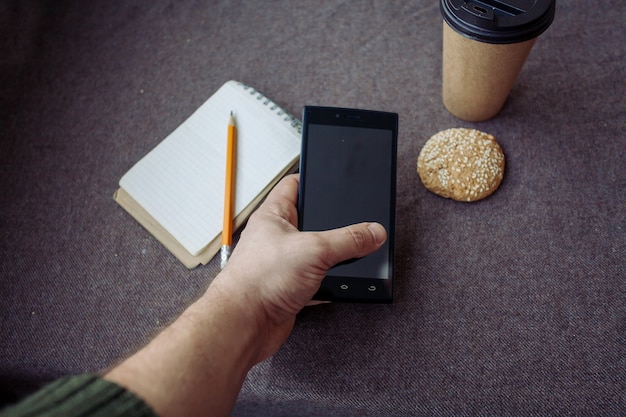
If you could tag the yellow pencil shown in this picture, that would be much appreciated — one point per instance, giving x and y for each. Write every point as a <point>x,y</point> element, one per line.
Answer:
<point>229,191</point>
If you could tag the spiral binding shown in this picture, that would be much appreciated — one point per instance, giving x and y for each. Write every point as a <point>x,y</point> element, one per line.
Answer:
<point>287,117</point>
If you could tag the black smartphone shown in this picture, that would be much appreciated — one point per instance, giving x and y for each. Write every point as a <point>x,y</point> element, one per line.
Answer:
<point>347,176</point>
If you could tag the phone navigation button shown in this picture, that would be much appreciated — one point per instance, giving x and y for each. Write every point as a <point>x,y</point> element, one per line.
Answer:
<point>343,286</point>
<point>371,288</point>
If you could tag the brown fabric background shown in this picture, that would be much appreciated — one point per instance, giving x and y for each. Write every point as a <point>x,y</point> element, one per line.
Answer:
<point>515,305</point>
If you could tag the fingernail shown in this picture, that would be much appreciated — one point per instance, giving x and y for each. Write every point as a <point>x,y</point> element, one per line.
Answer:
<point>379,233</point>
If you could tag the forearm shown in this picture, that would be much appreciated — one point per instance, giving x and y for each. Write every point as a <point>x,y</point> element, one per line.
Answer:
<point>198,364</point>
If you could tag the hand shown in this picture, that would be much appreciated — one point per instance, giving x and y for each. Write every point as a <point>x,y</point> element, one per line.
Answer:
<point>275,269</point>
<point>197,365</point>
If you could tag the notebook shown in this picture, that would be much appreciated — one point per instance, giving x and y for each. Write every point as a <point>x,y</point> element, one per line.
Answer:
<point>176,191</point>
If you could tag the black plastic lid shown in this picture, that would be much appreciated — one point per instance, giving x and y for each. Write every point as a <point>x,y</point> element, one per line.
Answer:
<point>498,21</point>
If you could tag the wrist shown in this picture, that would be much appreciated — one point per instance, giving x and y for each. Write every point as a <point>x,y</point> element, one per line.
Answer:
<point>249,314</point>
<point>227,316</point>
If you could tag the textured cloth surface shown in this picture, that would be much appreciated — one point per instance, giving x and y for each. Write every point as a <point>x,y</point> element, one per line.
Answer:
<point>512,305</point>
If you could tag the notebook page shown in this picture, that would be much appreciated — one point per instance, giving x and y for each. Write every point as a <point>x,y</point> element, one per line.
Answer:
<point>181,181</point>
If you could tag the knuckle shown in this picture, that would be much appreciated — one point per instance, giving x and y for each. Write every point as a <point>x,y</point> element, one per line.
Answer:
<point>323,247</point>
<point>358,236</point>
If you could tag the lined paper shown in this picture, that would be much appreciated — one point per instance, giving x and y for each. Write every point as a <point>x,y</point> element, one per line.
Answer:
<point>181,181</point>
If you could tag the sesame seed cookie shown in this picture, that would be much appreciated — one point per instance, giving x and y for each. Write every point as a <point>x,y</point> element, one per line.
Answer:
<point>462,164</point>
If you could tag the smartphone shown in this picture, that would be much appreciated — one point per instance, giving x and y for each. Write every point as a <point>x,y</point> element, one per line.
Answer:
<point>347,176</point>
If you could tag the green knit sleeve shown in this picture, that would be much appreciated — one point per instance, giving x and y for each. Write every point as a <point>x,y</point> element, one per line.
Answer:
<point>81,395</point>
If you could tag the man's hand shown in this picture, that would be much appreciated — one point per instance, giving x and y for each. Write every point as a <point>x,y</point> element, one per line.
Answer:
<point>197,365</point>
<point>280,268</point>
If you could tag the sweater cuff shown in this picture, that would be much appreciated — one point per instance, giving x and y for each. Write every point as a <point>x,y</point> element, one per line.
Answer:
<point>81,395</point>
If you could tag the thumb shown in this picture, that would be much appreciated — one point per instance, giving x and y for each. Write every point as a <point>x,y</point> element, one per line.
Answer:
<point>354,241</point>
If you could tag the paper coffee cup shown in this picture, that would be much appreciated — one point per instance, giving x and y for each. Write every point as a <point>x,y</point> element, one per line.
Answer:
<point>485,45</point>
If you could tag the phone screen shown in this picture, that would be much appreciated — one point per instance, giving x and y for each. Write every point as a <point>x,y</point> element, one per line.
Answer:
<point>348,176</point>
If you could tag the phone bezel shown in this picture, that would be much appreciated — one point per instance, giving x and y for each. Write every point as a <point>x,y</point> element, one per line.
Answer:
<point>353,289</point>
